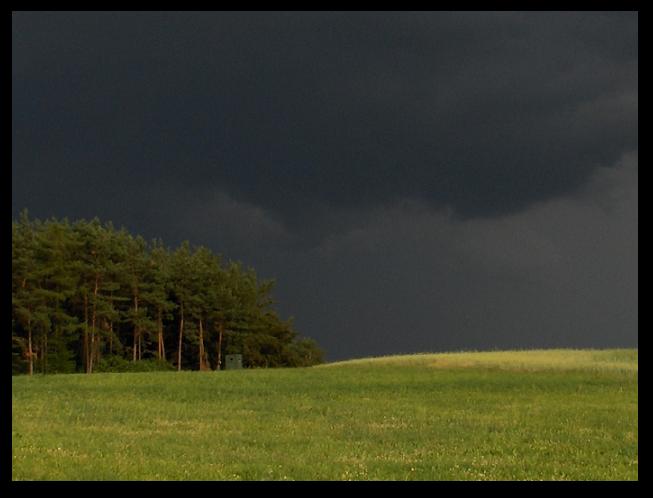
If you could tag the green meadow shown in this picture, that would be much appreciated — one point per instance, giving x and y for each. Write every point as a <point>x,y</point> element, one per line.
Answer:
<point>510,415</point>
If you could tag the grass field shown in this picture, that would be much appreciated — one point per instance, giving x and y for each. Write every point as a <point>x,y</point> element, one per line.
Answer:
<point>550,414</point>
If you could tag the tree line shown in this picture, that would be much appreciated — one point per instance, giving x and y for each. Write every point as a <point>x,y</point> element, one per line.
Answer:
<point>89,297</point>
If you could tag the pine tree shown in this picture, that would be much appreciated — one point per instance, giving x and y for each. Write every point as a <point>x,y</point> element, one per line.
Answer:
<point>57,283</point>
<point>181,275</point>
<point>157,295</point>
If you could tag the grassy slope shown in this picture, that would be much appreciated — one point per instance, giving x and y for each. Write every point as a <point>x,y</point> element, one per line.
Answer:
<point>556,414</point>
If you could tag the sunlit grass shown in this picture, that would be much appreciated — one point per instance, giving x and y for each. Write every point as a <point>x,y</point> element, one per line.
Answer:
<point>559,414</point>
<point>527,360</point>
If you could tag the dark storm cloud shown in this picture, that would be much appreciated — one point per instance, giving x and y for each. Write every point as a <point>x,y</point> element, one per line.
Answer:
<point>302,113</point>
<point>562,273</point>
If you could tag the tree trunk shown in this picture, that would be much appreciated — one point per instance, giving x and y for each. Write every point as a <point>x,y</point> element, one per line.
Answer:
<point>161,350</point>
<point>98,344</point>
<point>29,345</point>
<point>92,354</point>
<point>136,338</point>
<point>93,317</point>
<point>45,354</point>
<point>202,362</point>
<point>29,333</point>
<point>111,327</point>
<point>42,350</point>
<point>163,342</point>
<point>181,333</point>
<point>85,332</point>
<point>220,330</point>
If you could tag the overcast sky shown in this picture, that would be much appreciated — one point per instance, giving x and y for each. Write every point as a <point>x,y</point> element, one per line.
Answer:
<point>414,181</point>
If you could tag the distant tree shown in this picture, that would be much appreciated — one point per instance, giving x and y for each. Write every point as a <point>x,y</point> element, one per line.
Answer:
<point>182,289</point>
<point>23,297</point>
<point>98,257</point>
<point>206,296</point>
<point>158,293</point>
<point>57,283</point>
<point>137,273</point>
<point>303,352</point>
